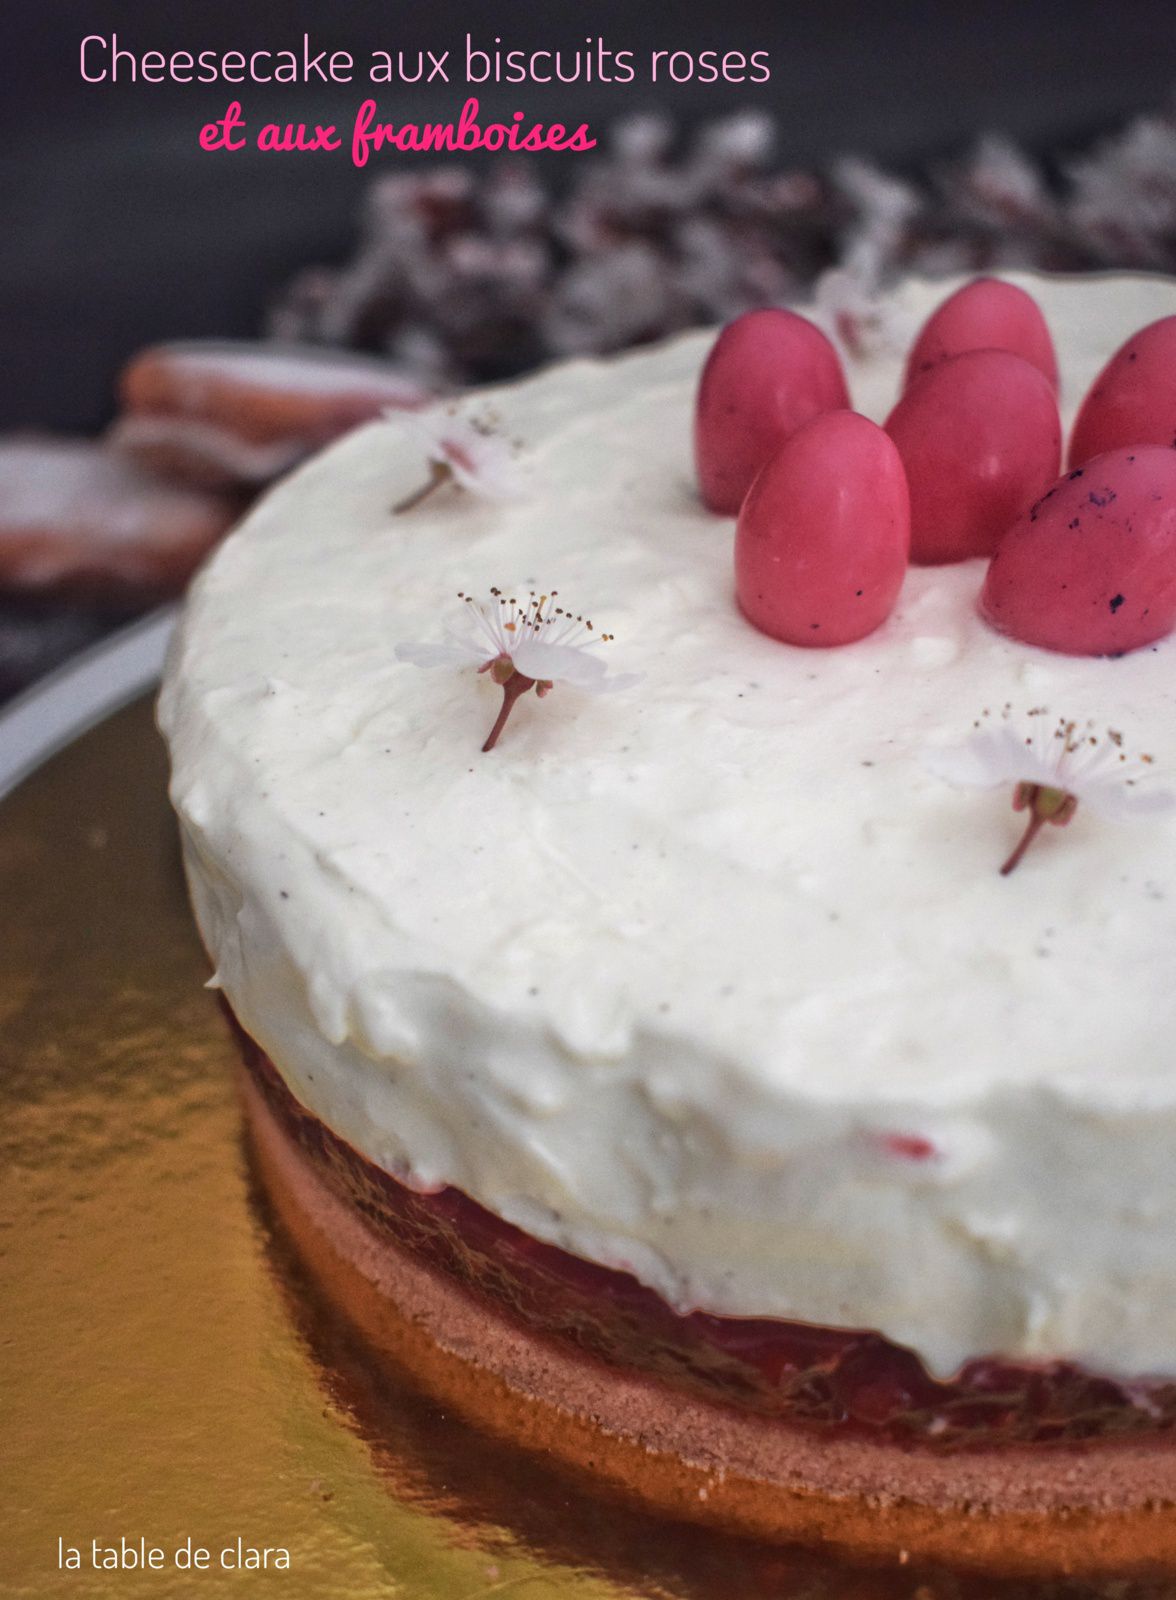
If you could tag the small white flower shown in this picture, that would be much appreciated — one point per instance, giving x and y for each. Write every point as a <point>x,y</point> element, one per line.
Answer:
<point>856,317</point>
<point>460,450</point>
<point>1061,755</point>
<point>534,644</point>
<point>1053,767</point>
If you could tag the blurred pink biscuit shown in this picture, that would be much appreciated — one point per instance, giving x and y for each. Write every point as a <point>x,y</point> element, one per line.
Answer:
<point>77,519</point>
<point>243,413</point>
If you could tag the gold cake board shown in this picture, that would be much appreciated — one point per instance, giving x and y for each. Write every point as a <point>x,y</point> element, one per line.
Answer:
<point>166,1375</point>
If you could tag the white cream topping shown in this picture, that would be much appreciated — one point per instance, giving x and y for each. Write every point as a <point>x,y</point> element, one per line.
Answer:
<point>651,978</point>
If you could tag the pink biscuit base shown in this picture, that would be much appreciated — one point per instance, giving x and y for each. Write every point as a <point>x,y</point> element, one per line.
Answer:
<point>1106,1507</point>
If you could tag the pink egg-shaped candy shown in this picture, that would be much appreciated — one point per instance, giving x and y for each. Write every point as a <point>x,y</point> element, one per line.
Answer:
<point>986,314</point>
<point>980,438</point>
<point>822,539</point>
<point>768,373</point>
<point>1091,568</point>
<point>1133,399</point>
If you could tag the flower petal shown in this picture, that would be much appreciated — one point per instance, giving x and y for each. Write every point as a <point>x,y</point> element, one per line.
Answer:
<point>425,427</point>
<point>559,663</point>
<point>613,683</point>
<point>451,654</point>
<point>981,763</point>
<point>1120,802</point>
<point>489,472</point>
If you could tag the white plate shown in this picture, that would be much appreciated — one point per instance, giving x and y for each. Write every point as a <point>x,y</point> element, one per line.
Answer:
<point>75,697</point>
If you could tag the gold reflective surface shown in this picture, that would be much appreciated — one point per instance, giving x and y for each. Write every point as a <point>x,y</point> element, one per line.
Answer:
<point>164,1373</point>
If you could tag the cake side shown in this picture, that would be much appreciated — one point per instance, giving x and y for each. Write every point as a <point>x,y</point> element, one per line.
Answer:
<point>1064,1508</point>
<point>712,980</point>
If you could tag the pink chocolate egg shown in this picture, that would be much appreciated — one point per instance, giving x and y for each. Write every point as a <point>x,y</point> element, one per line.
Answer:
<point>768,373</point>
<point>1133,399</point>
<point>1090,569</point>
<point>981,439</point>
<point>822,540</point>
<point>986,314</point>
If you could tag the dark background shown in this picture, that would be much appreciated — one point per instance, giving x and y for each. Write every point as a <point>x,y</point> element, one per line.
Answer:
<point>117,230</point>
